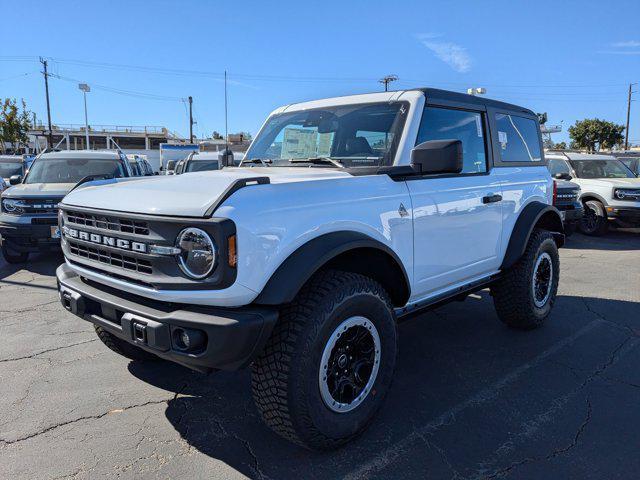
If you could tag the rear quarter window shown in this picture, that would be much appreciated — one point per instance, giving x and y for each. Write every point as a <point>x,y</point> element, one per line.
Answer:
<point>518,139</point>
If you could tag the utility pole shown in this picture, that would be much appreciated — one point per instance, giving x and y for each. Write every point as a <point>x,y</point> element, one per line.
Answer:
<point>387,80</point>
<point>626,132</point>
<point>46,88</point>
<point>190,119</point>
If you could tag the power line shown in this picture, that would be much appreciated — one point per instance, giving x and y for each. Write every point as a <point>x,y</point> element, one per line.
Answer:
<point>290,78</point>
<point>119,91</point>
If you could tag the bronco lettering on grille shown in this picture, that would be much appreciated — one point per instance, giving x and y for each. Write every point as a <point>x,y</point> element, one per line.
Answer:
<point>105,240</point>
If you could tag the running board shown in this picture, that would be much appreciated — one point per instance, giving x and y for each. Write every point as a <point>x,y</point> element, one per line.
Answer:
<point>446,297</point>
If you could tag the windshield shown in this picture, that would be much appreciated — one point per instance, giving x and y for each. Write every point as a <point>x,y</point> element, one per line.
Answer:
<point>71,170</point>
<point>202,165</point>
<point>8,169</point>
<point>601,169</point>
<point>361,135</point>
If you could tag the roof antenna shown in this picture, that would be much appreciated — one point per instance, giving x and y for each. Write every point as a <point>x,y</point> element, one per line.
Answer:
<point>226,126</point>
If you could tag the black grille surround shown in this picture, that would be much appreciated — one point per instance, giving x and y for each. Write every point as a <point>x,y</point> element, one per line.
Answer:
<point>139,267</point>
<point>567,196</point>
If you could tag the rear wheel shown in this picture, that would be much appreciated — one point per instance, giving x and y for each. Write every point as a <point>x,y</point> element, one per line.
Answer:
<point>594,221</point>
<point>328,365</point>
<point>525,294</point>
<point>11,256</point>
<point>124,348</point>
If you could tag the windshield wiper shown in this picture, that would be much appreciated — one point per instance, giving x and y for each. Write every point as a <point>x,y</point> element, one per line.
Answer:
<point>254,161</point>
<point>318,161</point>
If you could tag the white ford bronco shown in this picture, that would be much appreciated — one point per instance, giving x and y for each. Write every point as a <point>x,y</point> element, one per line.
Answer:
<point>346,214</point>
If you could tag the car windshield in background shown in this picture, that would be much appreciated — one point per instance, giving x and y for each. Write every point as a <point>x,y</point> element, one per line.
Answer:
<point>71,170</point>
<point>7,169</point>
<point>601,169</point>
<point>361,135</point>
<point>202,165</point>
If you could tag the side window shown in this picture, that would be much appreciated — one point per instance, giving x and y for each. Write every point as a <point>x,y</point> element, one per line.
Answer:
<point>518,139</point>
<point>468,127</point>
<point>558,166</point>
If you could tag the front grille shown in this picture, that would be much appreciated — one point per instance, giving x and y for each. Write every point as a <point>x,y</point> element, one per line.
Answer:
<point>104,222</point>
<point>111,258</point>
<point>34,206</point>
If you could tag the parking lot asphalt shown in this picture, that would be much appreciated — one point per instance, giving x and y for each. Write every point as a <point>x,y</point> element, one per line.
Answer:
<point>471,398</point>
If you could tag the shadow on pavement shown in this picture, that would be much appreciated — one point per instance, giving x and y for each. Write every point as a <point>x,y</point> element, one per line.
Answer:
<point>44,263</point>
<point>615,239</point>
<point>446,358</point>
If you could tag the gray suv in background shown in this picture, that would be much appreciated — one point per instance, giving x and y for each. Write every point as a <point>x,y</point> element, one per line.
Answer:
<point>12,166</point>
<point>29,209</point>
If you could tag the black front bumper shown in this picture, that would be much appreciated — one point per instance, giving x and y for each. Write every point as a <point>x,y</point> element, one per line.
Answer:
<point>626,214</point>
<point>233,336</point>
<point>29,238</point>
<point>571,213</point>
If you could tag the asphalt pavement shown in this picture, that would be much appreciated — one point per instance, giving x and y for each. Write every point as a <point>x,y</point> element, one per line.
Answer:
<point>471,399</point>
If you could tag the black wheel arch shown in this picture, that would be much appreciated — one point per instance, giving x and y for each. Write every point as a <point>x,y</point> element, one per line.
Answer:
<point>344,250</point>
<point>585,197</point>
<point>535,214</point>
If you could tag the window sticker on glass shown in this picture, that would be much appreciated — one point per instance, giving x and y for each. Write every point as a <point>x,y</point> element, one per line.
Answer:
<point>502,138</point>
<point>478,126</point>
<point>299,143</point>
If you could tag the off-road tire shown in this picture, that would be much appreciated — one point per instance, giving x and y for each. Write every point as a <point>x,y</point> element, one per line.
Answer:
<point>284,378</point>
<point>513,295</point>
<point>124,348</point>
<point>594,221</point>
<point>13,257</point>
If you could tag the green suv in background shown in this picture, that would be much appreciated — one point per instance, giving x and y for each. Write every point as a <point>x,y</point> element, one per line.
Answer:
<point>29,208</point>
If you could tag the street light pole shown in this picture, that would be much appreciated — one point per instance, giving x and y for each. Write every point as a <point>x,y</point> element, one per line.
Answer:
<point>85,88</point>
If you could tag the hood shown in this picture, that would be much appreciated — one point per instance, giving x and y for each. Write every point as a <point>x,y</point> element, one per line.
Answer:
<point>186,195</point>
<point>38,190</point>
<point>613,182</point>
<point>566,185</point>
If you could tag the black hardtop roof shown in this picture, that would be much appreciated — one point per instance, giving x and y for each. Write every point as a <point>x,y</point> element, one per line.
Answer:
<point>438,94</point>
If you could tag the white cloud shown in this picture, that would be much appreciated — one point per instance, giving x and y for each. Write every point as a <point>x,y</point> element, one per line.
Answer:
<point>450,53</point>
<point>627,44</point>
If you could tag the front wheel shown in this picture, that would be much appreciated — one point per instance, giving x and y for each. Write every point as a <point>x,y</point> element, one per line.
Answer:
<point>525,294</point>
<point>594,221</point>
<point>329,363</point>
<point>12,256</point>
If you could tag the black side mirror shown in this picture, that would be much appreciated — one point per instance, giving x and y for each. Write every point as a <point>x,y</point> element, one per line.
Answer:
<point>563,176</point>
<point>437,156</point>
<point>15,179</point>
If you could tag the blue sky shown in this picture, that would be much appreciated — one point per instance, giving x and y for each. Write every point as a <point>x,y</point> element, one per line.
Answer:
<point>573,59</point>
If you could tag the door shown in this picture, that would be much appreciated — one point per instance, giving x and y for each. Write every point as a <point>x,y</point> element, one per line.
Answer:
<point>457,218</point>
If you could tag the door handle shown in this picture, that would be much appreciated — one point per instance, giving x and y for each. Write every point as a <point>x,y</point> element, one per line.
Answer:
<point>493,198</point>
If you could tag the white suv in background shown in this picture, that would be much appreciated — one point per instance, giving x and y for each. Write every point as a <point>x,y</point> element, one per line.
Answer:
<point>610,191</point>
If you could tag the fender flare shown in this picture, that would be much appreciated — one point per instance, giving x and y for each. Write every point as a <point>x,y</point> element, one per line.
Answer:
<point>598,197</point>
<point>527,220</point>
<point>298,268</point>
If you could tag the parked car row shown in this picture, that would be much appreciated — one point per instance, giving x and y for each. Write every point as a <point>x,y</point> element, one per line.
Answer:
<point>609,190</point>
<point>29,209</point>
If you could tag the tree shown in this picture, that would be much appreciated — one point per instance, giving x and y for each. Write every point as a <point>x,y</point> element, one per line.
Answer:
<point>560,146</point>
<point>14,124</point>
<point>594,134</point>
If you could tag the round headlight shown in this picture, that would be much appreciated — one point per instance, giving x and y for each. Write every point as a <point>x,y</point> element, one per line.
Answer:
<point>11,206</point>
<point>620,194</point>
<point>197,255</point>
